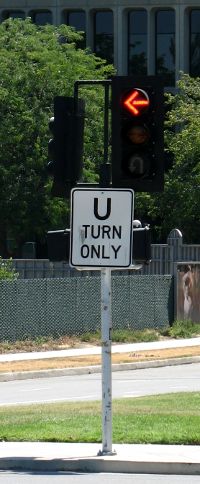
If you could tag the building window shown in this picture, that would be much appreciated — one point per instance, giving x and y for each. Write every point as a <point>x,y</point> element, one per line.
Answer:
<point>103,35</point>
<point>195,43</point>
<point>76,19</point>
<point>137,42</point>
<point>12,14</point>
<point>41,17</point>
<point>165,45</point>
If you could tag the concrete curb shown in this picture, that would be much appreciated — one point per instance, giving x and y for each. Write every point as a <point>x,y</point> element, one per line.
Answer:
<point>97,369</point>
<point>99,464</point>
<point>136,458</point>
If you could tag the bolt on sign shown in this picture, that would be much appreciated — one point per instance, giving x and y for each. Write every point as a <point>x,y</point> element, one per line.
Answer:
<point>101,228</point>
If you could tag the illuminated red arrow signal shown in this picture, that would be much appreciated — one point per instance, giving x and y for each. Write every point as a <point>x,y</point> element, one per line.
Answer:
<point>136,102</point>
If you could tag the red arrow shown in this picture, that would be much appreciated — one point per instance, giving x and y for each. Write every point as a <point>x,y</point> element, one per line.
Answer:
<point>137,101</point>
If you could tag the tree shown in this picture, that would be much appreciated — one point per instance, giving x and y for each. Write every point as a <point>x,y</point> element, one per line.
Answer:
<point>36,64</point>
<point>178,206</point>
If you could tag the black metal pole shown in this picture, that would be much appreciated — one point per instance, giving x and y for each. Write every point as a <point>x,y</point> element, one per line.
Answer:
<point>105,168</point>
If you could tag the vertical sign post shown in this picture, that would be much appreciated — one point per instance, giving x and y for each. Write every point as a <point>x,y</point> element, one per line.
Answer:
<point>101,238</point>
<point>106,328</point>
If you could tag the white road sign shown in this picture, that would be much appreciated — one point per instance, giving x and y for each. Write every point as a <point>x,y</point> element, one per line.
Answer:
<point>101,227</point>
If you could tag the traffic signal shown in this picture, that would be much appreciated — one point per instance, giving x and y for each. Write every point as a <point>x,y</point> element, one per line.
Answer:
<point>141,245</point>
<point>137,133</point>
<point>66,146</point>
<point>58,242</point>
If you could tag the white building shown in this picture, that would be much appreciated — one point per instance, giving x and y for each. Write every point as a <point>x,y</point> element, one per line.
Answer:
<point>150,37</point>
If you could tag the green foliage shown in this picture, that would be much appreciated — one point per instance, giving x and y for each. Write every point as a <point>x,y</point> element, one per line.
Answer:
<point>7,271</point>
<point>123,336</point>
<point>184,329</point>
<point>134,336</point>
<point>37,63</point>
<point>178,206</point>
<point>90,337</point>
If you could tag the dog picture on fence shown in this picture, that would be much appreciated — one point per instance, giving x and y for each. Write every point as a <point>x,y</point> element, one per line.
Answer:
<point>188,291</point>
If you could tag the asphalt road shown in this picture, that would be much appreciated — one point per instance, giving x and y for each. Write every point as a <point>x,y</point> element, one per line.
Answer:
<point>88,387</point>
<point>101,478</point>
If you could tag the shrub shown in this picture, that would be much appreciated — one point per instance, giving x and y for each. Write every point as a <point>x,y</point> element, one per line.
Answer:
<point>184,329</point>
<point>7,271</point>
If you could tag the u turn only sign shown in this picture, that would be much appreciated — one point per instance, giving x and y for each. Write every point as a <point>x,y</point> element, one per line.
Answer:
<point>101,228</point>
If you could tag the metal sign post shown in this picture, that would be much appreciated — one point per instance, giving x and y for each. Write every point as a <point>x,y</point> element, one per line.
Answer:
<point>106,328</point>
<point>101,238</point>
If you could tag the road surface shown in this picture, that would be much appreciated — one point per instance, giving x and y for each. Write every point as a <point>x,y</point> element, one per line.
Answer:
<point>125,384</point>
<point>7,477</point>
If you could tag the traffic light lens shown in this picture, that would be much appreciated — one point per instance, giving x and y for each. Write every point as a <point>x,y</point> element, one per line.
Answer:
<point>136,165</point>
<point>136,102</point>
<point>138,134</point>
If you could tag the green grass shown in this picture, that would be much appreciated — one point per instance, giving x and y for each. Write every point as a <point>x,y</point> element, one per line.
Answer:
<point>134,336</point>
<point>124,336</point>
<point>180,329</point>
<point>165,419</point>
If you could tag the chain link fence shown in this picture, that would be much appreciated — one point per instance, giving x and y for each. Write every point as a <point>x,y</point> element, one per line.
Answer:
<point>72,306</point>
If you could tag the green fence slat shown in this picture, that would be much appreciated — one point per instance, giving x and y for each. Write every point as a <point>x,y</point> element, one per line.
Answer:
<point>30,308</point>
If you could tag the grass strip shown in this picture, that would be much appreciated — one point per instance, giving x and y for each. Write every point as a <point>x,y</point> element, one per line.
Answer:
<point>162,419</point>
<point>179,329</point>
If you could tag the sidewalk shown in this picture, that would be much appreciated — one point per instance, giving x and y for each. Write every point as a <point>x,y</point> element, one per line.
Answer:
<point>153,459</point>
<point>96,350</point>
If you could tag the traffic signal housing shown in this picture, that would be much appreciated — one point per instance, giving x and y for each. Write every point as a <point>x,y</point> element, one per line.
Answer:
<point>65,148</point>
<point>141,245</point>
<point>58,242</point>
<point>137,133</point>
